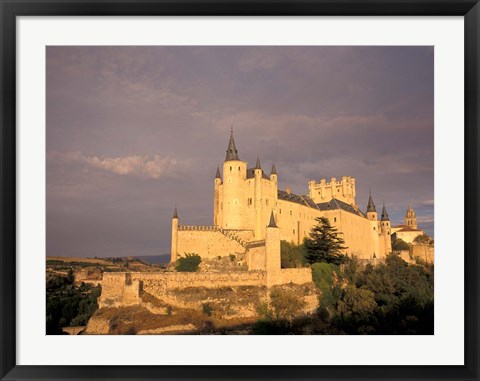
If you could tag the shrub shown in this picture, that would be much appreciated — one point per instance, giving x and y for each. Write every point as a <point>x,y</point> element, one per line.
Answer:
<point>207,309</point>
<point>189,263</point>
<point>286,304</point>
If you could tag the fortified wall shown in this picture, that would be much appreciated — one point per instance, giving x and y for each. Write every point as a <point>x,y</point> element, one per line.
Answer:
<point>124,289</point>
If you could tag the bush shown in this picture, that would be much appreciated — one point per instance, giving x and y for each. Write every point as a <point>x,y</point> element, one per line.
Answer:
<point>286,304</point>
<point>207,309</point>
<point>189,263</point>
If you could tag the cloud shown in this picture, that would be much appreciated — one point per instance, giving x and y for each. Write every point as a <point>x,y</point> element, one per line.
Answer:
<point>258,60</point>
<point>146,167</point>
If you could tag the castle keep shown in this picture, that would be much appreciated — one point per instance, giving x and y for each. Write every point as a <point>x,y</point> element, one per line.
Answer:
<point>246,199</point>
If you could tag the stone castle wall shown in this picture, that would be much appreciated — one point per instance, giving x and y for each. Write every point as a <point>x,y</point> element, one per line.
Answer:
<point>206,242</point>
<point>123,289</point>
<point>424,252</point>
<point>297,276</point>
<point>120,289</point>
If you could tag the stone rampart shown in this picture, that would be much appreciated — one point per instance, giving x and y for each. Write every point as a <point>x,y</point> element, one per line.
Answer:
<point>424,252</point>
<point>296,276</point>
<point>124,288</point>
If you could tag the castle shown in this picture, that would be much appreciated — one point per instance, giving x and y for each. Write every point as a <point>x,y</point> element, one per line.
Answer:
<point>246,200</point>
<point>250,218</point>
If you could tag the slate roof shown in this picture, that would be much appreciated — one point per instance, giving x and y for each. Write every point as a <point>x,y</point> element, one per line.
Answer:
<point>274,170</point>
<point>337,204</point>
<point>232,153</point>
<point>272,223</point>
<point>251,174</point>
<point>371,205</point>
<point>385,214</point>
<point>302,200</point>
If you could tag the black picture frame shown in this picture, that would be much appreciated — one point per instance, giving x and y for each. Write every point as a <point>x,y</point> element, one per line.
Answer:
<point>10,9</point>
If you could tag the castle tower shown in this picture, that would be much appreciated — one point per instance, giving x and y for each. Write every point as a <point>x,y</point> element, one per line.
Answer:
<point>258,173</point>
<point>273,174</point>
<point>372,216</point>
<point>386,231</point>
<point>233,200</point>
<point>216,197</point>
<point>343,190</point>
<point>272,253</point>
<point>174,250</point>
<point>411,218</point>
<point>371,211</point>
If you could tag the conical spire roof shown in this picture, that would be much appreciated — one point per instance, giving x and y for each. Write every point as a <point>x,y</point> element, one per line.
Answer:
<point>258,166</point>
<point>272,223</point>
<point>385,214</point>
<point>371,205</point>
<point>232,153</point>
<point>274,170</point>
<point>175,215</point>
<point>217,175</point>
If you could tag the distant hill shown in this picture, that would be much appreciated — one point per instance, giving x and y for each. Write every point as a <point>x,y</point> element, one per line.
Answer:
<point>154,259</point>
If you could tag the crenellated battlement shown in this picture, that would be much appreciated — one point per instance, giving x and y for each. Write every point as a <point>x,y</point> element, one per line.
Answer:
<point>324,190</point>
<point>199,227</point>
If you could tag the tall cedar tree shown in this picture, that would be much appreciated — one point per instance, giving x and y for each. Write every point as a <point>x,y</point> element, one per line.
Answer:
<point>324,245</point>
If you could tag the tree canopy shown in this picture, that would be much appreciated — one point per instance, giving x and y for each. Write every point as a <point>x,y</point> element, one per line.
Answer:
<point>325,244</point>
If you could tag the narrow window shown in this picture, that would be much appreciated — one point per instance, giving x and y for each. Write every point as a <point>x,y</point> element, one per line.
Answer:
<point>334,219</point>
<point>239,169</point>
<point>230,169</point>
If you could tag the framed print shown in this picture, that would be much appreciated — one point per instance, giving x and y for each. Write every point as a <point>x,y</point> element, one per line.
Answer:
<point>239,190</point>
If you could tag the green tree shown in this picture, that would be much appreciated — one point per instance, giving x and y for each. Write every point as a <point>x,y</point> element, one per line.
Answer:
<point>423,239</point>
<point>292,256</point>
<point>188,263</point>
<point>325,244</point>
<point>399,245</point>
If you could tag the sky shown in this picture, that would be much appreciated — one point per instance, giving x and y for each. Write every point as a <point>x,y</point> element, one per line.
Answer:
<point>133,132</point>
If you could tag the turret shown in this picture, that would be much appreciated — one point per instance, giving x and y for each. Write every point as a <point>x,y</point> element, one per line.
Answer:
<point>371,211</point>
<point>258,168</point>
<point>272,252</point>
<point>385,220</point>
<point>216,197</point>
<point>273,174</point>
<point>258,201</point>
<point>232,205</point>
<point>174,249</point>
<point>386,231</point>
